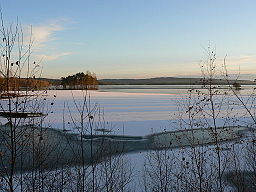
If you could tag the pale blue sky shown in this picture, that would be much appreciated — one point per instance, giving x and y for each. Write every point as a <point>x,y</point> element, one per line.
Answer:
<point>137,38</point>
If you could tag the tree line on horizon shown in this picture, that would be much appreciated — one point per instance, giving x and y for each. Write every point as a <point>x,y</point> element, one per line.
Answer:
<point>15,84</point>
<point>81,80</point>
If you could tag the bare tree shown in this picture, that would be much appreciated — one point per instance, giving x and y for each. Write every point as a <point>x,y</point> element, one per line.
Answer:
<point>200,167</point>
<point>21,106</point>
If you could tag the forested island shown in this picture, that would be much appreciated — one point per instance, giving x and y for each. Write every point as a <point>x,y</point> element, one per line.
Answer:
<point>87,81</point>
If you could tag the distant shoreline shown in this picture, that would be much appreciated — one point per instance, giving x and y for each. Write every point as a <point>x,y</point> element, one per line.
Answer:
<point>163,81</point>
<point>173,81</point>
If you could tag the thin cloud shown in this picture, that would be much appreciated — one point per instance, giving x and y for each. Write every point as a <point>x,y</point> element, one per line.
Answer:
<point>52,57</point>
<point>244,63</point>
<point>80,44</point>
<point>44,33</point>
<point>244,59</point>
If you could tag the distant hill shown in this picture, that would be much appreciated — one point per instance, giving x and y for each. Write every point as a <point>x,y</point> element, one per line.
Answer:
<point>169,81</point>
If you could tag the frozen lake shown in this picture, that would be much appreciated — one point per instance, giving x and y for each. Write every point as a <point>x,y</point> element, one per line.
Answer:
<point>136,110</point>
<point>138,113</point>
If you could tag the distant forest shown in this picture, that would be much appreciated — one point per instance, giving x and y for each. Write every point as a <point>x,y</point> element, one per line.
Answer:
<point>15,83</point>
<point>87,81</point>
<point>80,80</point>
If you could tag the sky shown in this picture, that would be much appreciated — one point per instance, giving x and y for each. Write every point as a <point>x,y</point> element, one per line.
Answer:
<point>137,38</point>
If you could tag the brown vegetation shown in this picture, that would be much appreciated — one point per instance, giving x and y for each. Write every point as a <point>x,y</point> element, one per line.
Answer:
<point>16,84</point>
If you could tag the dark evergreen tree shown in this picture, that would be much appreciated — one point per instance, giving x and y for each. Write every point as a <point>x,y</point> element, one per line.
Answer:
<point>80,80</point>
